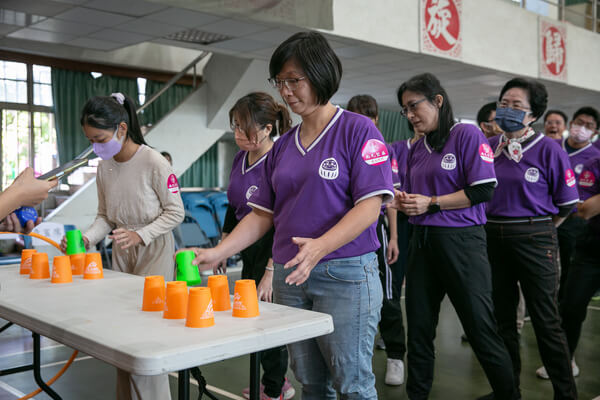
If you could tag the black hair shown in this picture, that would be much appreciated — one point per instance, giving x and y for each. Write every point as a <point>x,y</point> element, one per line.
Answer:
<point>429,86</point>
<point>483,115</point>
<point>105,112</point>
<point>166,154</point>
<point>316,58</point>
<point>536,94</point>
<point>557,112</point>
<point>591,111</point>
<point>260,109</point>
<point>364,104</point>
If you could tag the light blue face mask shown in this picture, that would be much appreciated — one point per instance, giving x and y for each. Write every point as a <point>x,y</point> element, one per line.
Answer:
<point>510,119</point>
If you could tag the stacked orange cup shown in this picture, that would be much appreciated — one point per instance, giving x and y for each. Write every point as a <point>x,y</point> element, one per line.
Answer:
<point>245,299</point>
<point>154,293</point>
<point>93,266</point>
<point>61,270</point>
<point>26,261</point>
<point>177,299</point>
<point>40,269</point>
<point>219,290</point>
<point>200,308</point>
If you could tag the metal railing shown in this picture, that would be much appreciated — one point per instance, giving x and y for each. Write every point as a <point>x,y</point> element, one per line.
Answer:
<point>583,14</point>
<point>192,65</point>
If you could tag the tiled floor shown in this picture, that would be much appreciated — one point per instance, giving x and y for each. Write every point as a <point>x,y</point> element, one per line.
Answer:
<point>457,375</point>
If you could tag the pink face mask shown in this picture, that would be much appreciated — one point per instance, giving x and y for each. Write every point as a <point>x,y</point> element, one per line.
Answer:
<point>580,134</point>
<point>108,150</point>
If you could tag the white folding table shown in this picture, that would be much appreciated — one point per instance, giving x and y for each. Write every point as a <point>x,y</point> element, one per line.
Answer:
<point>103,318</point>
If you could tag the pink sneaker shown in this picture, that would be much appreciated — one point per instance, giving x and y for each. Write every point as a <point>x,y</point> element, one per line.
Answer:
<point>287,391</point>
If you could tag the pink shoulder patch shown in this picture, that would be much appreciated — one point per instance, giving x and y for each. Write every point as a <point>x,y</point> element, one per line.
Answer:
<point>587,179</point>
<point>374,152</point>
<point>172,184</point>
<point>570,178</point>
<point>486,153</point>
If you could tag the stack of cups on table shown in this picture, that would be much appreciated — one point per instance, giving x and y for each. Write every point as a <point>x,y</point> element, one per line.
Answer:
<point>198,304</point>
<point>76,262</point>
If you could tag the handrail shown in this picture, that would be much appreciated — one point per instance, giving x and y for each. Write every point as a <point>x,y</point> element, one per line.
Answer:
<point>87,152</point>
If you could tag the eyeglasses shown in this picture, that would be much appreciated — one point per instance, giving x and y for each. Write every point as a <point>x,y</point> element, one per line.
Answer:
<point>589,125</point>
<point>515,106</point>
<point>236,127</point>
<point>411,108</point>
<point>291,83</point>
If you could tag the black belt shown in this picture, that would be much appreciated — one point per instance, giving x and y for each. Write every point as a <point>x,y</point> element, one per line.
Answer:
<point>518,220</point>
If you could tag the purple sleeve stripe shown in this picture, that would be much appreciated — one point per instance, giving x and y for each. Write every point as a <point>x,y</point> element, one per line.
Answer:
<point>479,182</point>
<point>568,202</point>
<point>386,199</point>
<point>254,205</point>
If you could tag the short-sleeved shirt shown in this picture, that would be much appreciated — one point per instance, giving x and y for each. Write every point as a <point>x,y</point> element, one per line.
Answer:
<point>309,190</point>
<point>537,185</point>
<point>402,151</point>
<point>243,181</point>
<point>465,160</point>
<point>589,185</point>
<point>579,157</point>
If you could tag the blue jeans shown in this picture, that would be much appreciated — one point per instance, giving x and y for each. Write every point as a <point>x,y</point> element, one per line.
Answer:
<point>350,291</point>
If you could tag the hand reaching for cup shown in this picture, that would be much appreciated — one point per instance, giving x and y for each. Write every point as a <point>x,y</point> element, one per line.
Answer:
<point>125,238</point>
<point>63,243</point>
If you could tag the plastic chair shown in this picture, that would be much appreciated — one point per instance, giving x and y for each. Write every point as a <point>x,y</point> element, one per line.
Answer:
<point>202,210</point>
<point>220,203</point>
<point>192,234</point>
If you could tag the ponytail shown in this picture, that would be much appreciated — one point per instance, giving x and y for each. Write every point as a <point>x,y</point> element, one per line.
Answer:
<point>107,112</point>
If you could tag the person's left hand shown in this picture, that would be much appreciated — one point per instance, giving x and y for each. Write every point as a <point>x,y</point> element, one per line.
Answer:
<point>12,224</point>
<point>392,251</point>
<point>265,287</point>
<point>309,253</point>
<point>125,238</point>
<point>414,204</point>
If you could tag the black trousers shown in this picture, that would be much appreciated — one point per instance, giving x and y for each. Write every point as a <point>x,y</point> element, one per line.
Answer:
<point>452,261</point>
<point>391,325</point>
<point>584,280</point>
<point>568,234</point>
<point>527,253</point>
<point>274,361</point>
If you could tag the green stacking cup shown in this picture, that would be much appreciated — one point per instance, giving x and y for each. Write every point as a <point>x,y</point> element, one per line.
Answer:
<point>75,243</point>
<point>187,272</point>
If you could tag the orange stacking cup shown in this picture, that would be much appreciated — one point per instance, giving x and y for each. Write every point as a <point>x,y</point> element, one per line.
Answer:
<point>26,261</point>
<point>77,263</point>
<point>154,293</point>
<point>219,290</point>
<point>93,266</point>
<point>61,270</point>
<point>200,308</point>
<point>39,266</point>
<point>245,299</point>
<point>177,298</point>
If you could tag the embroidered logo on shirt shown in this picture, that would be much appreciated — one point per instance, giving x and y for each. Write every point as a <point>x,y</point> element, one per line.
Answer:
<point>587,179</point>
<point>449,162</point>
<point>532,175</point>
<point>329,169</point>
<point>570,178</point>
<point>374,152</point>
<point>251,191</point>
<point>486,153</point>
<point>172,184</point>
<point>394,165</point>
<point>578,168</point>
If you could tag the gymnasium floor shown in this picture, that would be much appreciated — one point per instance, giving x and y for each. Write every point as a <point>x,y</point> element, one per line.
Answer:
<point>457,374</point>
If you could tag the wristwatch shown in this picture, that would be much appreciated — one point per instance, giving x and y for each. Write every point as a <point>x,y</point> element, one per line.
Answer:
<point>434,205</point>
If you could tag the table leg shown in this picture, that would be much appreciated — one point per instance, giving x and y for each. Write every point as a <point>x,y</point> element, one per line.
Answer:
<point>184,385</point>
<point>37,366</point>
<point>255,376</point>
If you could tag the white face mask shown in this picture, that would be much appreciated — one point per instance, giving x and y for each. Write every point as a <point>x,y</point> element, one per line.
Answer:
<point>580,134</point>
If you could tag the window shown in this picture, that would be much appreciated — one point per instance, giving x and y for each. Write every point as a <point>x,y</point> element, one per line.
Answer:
<point>27,133</point>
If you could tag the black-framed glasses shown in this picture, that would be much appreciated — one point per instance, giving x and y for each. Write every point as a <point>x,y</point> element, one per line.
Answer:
<point>290,83</point>
<point>412,107</point>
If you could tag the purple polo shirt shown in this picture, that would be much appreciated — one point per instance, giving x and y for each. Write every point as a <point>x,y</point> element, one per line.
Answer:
<point>243,181</point>
<point>465,160</point>
<point>309,190</point>
<point>580,156</point>
<point>537,185</point>
<point>589,185</point>
<point>402,150</point>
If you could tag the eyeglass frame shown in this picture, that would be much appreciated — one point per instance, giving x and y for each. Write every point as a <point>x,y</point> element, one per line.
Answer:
<point>411,107</point>
<point>500,105</point>
<point>280,83</point>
